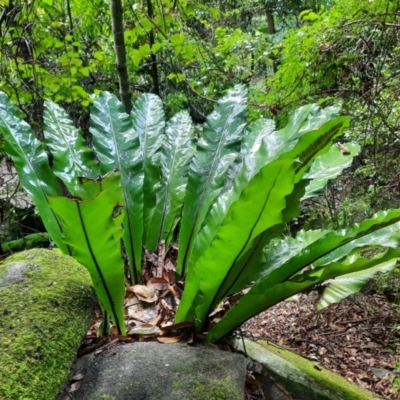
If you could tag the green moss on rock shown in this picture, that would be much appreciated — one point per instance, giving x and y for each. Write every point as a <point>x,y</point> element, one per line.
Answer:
<point>44,317</point>
<point>338,386</point>
<point>334,382</point>
<point>214,389</point>
<point>28,242</point>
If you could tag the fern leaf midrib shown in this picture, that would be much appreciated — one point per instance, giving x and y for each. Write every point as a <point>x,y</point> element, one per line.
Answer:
<point>193,225</point>
<point>126,194</point>
<point>98,269</point>
<point>248,237</point>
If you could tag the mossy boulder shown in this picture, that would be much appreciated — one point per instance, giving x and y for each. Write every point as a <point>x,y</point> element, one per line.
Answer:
<point>46,304</point>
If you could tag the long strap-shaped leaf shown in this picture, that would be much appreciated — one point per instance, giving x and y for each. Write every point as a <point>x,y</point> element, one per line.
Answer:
<point>259,207</point>
<point>389,236</point>
<point>326,244</point>
<point>299,140</point>
<point>93,230</point>
<point>262,296</point>
<point>245,270</point>
<point>281,251</point>
<point>216,150</point>
<point>254,154</point>
<point>317,140</point>
<point>301,150</point>
<point>257,154</point>
<point>177,152</point>
<point>343,286</point>
<point>149,123</point>
<point>329,166</point>
<point>32,165</point>
<point>251,141</point>
<point>72,159</point>
<point>117,146</point>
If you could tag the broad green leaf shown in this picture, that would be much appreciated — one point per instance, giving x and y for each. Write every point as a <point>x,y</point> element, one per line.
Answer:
<point>149,123</point>
<point>255,134</point>
<point>93,229</point>
<point>252,139</point>
<point>255,153</point>
<point>72,159</point>
<point>309,132</point>
<point>279,265</point>
<point>388,236</point>
<point>307,126</point>
<point>32,165</point>
<point>216,150</point>
<point>341,287</point>
<point>259,207</point>
<point>283,269</point>
<point>247,268</point>
<point>317,141</point>
<point>266,252</point>
<point>177,152</point>
<point>262,296</point>
<point>177,39</point>
<point>328,166</point>
<point>117,146</point>
<point>99,55</point>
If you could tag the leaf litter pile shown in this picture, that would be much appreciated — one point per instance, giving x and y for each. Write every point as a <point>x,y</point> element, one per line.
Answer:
<point>359,338</point>
<point>149,308</point>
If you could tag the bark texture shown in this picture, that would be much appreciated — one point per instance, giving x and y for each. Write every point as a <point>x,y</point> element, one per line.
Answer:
<point>120,53</point>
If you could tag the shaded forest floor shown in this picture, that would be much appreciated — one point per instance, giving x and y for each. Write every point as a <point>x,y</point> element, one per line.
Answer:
<point>359,338</point>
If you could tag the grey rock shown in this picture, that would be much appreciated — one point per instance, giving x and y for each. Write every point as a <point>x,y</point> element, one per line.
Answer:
<point>382,372</point>
<point>152,371</point>
<point>15,273</point>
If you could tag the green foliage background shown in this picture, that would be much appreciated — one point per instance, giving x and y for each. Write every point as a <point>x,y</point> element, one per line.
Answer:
<point>288,52</point>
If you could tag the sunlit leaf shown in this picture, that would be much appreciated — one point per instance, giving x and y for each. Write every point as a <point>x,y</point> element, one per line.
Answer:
<point>82,221</point>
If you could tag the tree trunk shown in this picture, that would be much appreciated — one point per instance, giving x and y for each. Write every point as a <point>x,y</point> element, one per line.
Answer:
<point>120,53</point>
<point>154,70</point>
<point>271,23</point>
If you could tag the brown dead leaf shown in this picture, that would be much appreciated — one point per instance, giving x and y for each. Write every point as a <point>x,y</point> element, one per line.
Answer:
<point>152,257</point>
<point>190,339</point>
<point>343,149</point>
<point>147,314</point>
<point>337,328</point>
<point>166,305</point>
<point>161,257</point>
<point>386,364</point>
<point>169,266</point>
<point>75,386</point>
<point>219,308</point>
<point>169,339</point>
<point>157,284</point>
<point>324,47</point>
<point>77,377</point>
<point>143,293</point>
<point>322,351</point>
<point>145,329</point>
<point>156,321</point>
